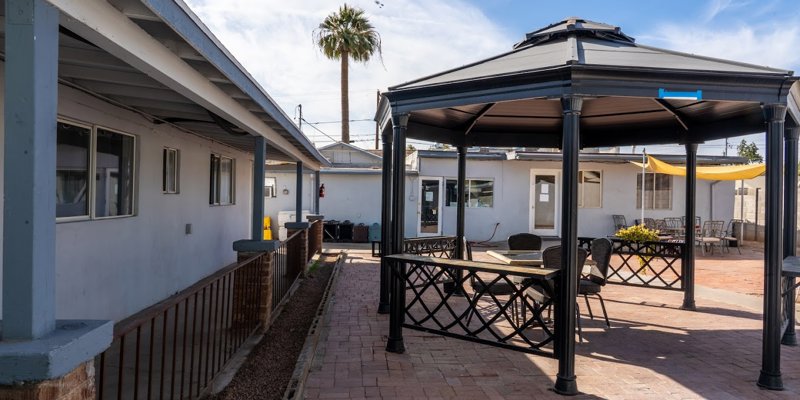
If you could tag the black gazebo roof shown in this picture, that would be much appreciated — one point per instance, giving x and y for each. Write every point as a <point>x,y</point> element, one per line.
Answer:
<point>634,94</point>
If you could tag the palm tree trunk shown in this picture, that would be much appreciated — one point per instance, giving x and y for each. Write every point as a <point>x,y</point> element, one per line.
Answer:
<point>345,100</point>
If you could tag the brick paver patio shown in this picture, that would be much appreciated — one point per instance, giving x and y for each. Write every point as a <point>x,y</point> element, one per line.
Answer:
<point>653,350</point>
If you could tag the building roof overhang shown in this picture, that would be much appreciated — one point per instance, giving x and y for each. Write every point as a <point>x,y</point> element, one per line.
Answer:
<point>158,59</point>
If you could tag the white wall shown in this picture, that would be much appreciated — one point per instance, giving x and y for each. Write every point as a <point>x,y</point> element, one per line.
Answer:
<point>287,202</point>
<point>351,197</point>
<point>109,269</point>
<point>357,197</point>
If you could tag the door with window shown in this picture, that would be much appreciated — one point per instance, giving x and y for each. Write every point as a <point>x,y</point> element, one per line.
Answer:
<point>545,212</point>
<point>429,215</point>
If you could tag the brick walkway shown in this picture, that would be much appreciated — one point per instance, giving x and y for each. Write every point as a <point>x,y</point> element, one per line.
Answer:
<point>653,350</point>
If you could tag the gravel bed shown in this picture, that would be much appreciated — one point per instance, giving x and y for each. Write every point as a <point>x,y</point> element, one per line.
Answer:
<point>269,367</point>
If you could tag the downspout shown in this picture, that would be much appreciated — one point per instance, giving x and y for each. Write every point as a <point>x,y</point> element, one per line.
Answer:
<point>711,200</point>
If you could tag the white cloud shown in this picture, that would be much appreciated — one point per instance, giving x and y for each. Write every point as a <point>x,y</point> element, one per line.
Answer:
<point>272,40</point>
<point>773,45</point>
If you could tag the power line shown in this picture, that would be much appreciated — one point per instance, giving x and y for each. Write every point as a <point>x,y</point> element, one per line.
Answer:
<point>318,130</point>
<point>339,121</point>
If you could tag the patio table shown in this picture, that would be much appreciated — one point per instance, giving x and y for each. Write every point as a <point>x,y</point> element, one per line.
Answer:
<point>524,257</point>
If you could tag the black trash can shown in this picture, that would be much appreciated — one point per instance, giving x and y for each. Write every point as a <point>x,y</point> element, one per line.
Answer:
<point>346,231</point>
<point>330,231</point>
<point>361,233</point>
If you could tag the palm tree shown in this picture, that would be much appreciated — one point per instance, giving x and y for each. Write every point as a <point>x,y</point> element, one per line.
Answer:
<point>344,35</point>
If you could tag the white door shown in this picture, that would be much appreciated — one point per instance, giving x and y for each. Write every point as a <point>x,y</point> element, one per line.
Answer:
<point>545,214</point>
<point>429,207</point>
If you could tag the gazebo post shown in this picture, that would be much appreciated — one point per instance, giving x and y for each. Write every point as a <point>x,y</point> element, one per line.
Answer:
<point>565,307</point>
<point>689,229</point>
<point>770,376</point>
<point>460,212</point>
<point>460,193</point>
<point>386,220</point>
<point>790,226</point>
<point>397,283</point>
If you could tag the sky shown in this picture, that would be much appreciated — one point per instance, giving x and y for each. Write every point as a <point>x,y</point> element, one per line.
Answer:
<point>273,41</point>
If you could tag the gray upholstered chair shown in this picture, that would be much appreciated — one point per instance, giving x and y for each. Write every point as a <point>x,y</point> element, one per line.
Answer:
<point>593,282</point>
<point>551,258</point>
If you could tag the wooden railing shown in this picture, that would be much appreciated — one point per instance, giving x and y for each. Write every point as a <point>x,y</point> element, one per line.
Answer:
<point>176,347</point>
<point>288,264</point>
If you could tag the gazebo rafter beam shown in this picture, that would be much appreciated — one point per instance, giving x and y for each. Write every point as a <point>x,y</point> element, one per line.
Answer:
<point>474,120</point>
<point>675,113</point>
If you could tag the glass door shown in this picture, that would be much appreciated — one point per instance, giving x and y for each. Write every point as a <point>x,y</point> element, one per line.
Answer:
<point>429,214</point>
<point>544,201</point>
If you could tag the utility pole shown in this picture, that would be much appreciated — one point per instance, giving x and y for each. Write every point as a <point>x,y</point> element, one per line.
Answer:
<point>725,152</point>
<point>300,117</point>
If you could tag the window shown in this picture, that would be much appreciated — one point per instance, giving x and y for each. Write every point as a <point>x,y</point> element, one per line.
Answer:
<point>81,149</point>
<point>657,191</point>
<point>479,193</point>
<point>171,171</point>
<point>590,189</point>
<point>222,180</point>
<point>72,170</point>
<point>270,187</point>
<point>113,174</point>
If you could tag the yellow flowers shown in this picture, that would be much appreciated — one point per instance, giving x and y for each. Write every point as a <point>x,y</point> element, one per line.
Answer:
<point>638,233</point>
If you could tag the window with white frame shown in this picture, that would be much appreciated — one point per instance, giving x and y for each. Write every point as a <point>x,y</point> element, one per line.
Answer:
<point>111,155</point>
<point>479,193</point>
<point>657,191</point>
<point>223,176</point>
<point>270,187</point>
<point>170,171</point>
<point>590,189</point>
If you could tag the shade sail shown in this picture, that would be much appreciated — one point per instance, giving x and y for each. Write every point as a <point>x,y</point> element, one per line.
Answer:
<point>720,173</point>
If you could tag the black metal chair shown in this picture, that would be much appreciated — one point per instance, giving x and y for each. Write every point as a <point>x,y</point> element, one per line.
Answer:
<point>524,241</point>
<point>619,222</point>
<point>551,258</point>
<point>732,235</point>
<point>593,282</point>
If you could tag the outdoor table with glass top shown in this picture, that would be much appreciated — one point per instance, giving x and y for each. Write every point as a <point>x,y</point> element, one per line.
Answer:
<point>523,257</point>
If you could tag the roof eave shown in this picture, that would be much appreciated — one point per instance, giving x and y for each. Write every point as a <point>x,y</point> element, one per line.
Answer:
<point>177,15</point>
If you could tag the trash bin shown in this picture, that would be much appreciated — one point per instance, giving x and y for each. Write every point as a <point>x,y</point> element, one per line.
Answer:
<point>361,233</point>
<point>736,231</point>
<point>346,231</point>
<point>330,231</point>
<point>375,232</point>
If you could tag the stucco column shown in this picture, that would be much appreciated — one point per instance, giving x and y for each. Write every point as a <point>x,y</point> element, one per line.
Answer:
<point>29,213</point>
<point>565,307</point>
<point>259,161</point>
<point>298,217</point>
<point>770,376</point>
<point>40,358</point>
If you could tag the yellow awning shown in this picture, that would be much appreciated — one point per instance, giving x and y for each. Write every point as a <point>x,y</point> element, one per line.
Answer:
<point>720,173</point>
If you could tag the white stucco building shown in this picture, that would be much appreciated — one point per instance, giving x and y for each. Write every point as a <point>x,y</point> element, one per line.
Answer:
<point>513,191</point>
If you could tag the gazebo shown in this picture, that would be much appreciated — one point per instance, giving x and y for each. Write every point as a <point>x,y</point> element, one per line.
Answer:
<point>577,84</point>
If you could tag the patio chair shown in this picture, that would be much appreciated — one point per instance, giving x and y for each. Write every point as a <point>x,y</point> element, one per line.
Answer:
<point>551,258</point>
<point>710,235</point>
<point>619,222</point>
<point>593,282</point>
<point>650,223</point>
<point>500,288</point>
<point>696,223</point>
<point>673,226</point>
<point>524,241</point>
<point>732,236</point>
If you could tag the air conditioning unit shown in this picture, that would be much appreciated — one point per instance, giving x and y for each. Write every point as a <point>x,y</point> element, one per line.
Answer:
<point>288,216</point>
